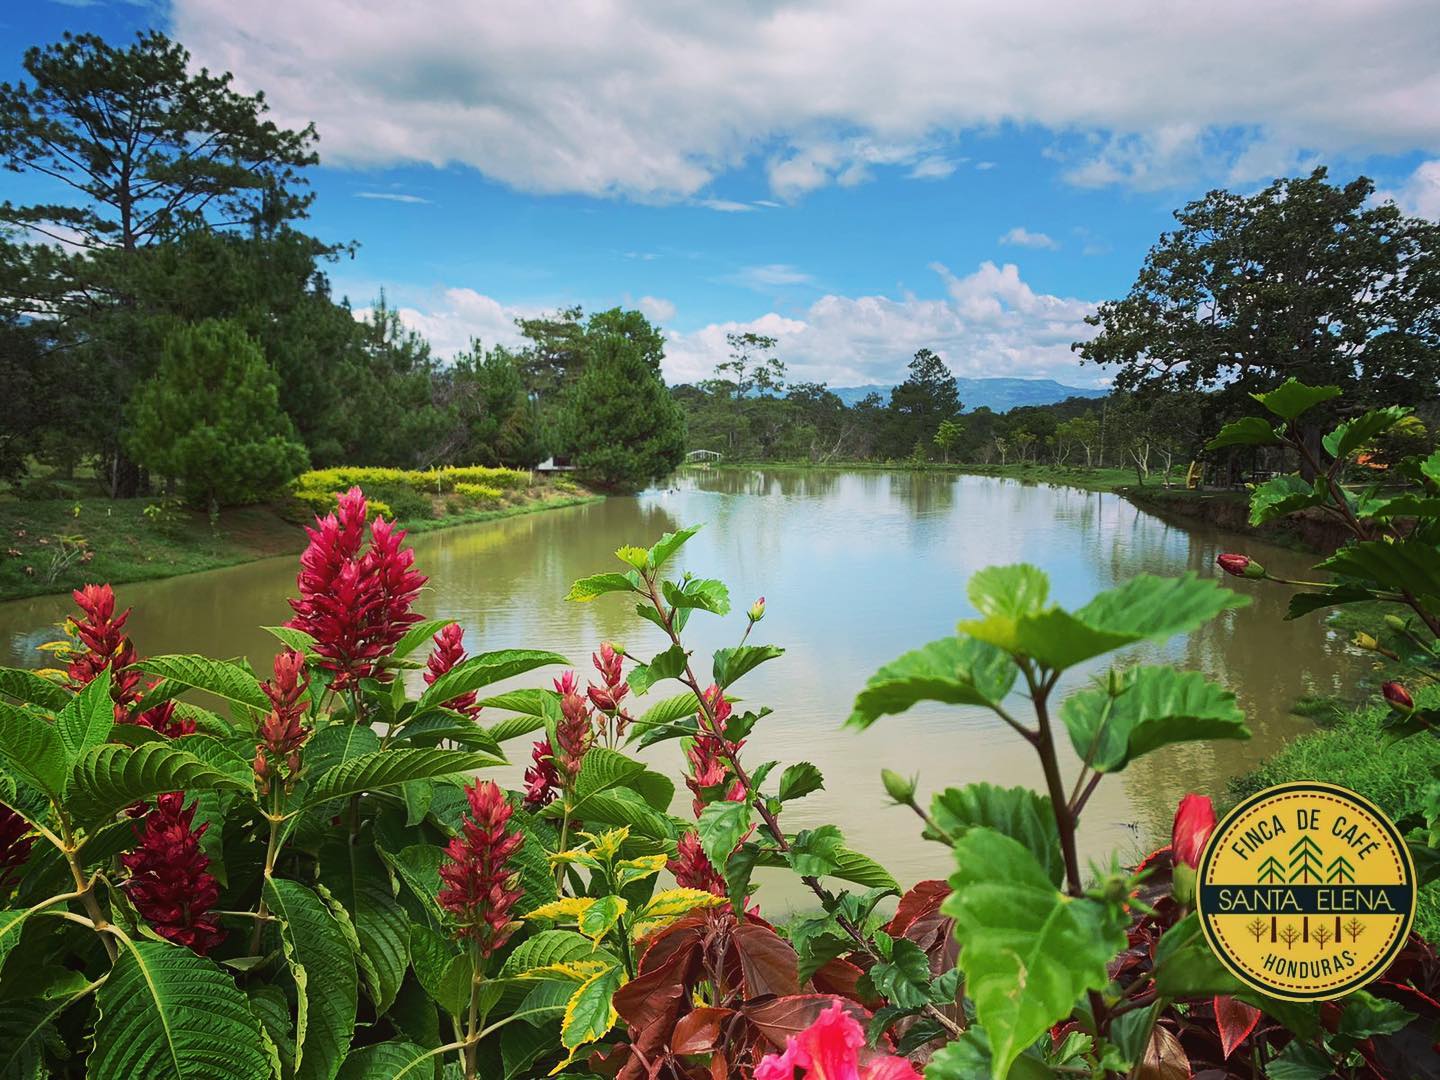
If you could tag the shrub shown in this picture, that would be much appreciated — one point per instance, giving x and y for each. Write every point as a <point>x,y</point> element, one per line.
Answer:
<point>483,494</point>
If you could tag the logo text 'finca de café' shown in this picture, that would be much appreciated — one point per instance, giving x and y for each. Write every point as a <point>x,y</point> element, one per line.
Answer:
<point>1306,891</point>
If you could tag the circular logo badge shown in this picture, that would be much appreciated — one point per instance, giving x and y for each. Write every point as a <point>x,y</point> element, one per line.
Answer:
<point>1306,891</point>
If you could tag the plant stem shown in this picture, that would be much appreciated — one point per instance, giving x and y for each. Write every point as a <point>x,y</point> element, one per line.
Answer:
<point>272,851</point>
<point>83,888</point>
<point>472,1038</point>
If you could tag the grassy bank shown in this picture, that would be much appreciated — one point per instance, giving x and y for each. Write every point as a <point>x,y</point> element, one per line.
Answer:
<point>54,545</point>
<point>1069,475</point>
<point>1353,752</point>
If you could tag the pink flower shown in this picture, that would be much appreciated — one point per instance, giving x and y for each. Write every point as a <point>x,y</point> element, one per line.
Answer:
<point>692,868</point>
<point>613,688</point>
<point>282,732</point>
<point>830,1049</point>
<point>447,653</point>
<point>541,778</point>
<point>479,887</point>
<point>169,883</point>
<point>1240,566</point>
<point>1398,697</point>
<point>1194,822</point>
<point>575,730</point>
<point>356,606</point>
<point>15,845</point>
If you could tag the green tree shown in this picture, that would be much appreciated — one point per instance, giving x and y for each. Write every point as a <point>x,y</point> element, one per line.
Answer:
<point>130,148</point>
<point>499,420</point>
<point>947,435</point>
<point>927,396</point>
<point>1084,431</point>
<point>619,422</point>
<point>210,416</point>
<point>1304,278</point>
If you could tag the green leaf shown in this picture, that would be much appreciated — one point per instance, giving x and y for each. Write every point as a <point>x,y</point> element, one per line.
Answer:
<point>590,1014</point>
<point>969,1058</point>
<point>600,918</point>
<point>603,769</point>
<point>1017,930</point>
<point>666,665</point>
<point>482,670</point>
<point>816,852</point>
<point>658,722</point>
<point>390,768</point>
<point>621,807</point>
<point>1019,813</point>
<point>597,585</point>
<point>722,824</point>
<point>707,594</point>
<point>1009,592</point>
<point>729,664</point>
<point>667,545</point>
<point>31,749</point>
<point>1283,495</point>
<point>904,979</point>
<point>393,1060</point>
<point>1303,603</point>
<point>28,688</point>
<point>25,1029</point>
<point>956,671</point>
<point>544,949</point>
<point>323,968</point>
<point>799,780</point>
<point>1409,565</point>
<point>1292,398</point>
<point>1365,1015</point>
<point>1356,434</point>
<point>1186,966</point>
<point>1156,706</point>
<point>1154,608</point>
<point>418,635</point>
<point>850,866</point>
<point>1249,431</point>
<point>223,678</point>
<point>11,923</point>
<point>292,638</point>
<point>1300,1061</point>
<point>111,777</point>
<point>356,876</point>
<point>87,717</point>
<point>167,1014</point>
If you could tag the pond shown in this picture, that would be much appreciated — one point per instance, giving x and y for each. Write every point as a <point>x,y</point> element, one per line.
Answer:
<point>856,567</point>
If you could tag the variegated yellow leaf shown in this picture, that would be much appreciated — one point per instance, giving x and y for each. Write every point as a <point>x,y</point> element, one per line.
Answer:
<point>590,1012</point>
<point>673,903</point>
<point>576,970</point>
<point>568,907</point>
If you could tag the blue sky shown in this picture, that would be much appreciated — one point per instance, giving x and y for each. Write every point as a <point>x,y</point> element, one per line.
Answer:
<point>860,179</point>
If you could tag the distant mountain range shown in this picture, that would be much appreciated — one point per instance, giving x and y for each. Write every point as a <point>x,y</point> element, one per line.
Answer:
<point>1000,395</point>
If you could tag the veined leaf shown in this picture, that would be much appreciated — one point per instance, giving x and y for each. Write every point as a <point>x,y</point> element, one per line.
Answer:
<point>28,688</point>
<point>336,744</point>
<point>1009,592</point>
<point>1358,433</point>
<point>11,923</point>
<point>390,768</point>
<point>620,807</point>
<point>167,1014</point>
<point>1156,608</point>
<point>356,875</point>
<point>292,638</point>
<point>673,903</point>
<point>31,749</point>
<point>952,670</point>
<point>547,948</point>
<point>109,778</point>
<point>600,917</point>
<point>482,670</point>
<point>1408,565</point>
<point>655,723</point>
<point>1292,398</point>
<point>222,678</point>
<point>323,967</point>
<point>1019,813</point>
<point>722,824</point>
<point>799,780</point>
<point>849,866</point>
<point>816,852</point>
<point>1157,706</point>
<point>707,594</point>
<point>603,769</point>
<point>728,665</point>
<point>590,1013</point>
<point>419,635</point>
<point>597,585</point>
<point>1283,495</point>
<point>666,665</point>
<point>1248,431</point>
<point>1016,930</point>
<point>87,718</point>
<point>667,545</point>
<point>393,1060</point>
<point>25,1027</point>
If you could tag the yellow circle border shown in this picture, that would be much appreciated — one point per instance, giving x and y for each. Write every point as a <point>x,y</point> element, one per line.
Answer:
<point>1402,855</point>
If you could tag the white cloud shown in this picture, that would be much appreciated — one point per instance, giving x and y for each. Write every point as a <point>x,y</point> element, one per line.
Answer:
<point>933,168</point>
<point>654,101</point>
<point>769,277</point>
<point>1020,236</point>
<point>726,206</point>
<point>656,309</point>
<point>391,196</point>
<point>985,166</point>
<point>989,323</point>
<point>1420,194</point>
<point>455,317</point>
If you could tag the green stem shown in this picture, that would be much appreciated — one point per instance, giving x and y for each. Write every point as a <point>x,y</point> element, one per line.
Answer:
<point>473,1020</point>
<point>272,852</point>
<point>83,888</point>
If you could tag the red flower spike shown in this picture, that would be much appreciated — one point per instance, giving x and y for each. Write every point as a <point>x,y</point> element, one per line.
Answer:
<point>691,867</point>
<point>447,653</point>
<point>283,732</point>
<point>356,606</point>
<point>101,631</point>
<point>831,1049</point>
<point>542,779</point>
<point>15,845</point>
<point>575,731</point>
<point>1194,822</point>
<point>169,881</point>
<point>479,887</point>
<point>613,688</point>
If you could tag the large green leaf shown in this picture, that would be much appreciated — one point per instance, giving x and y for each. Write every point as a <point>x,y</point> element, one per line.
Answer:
<point>418,635</point>
<point>657,722</point>
<point>597,585</point>
<point>25,1028</point>
<point>1009,592</point>
<point>27,687</point>
<point>1028,952</point>
<point>323,967</point>
<point>1019,813</point>
<point>1156,706</point>
<point>706,594</point>
<point>848,865</point>
<point>1358,433</point>
<point>660,553</point>
<point>590,1013</point>
<point>390,1061</point>
<point>356,876</point>
<point>11,923</point>
<point>669,664</point>
<point>336,744</point>
<point>111,777</point>
<point>957,671</point>
<point>167,1014</point>
<point>1283,495</point>
<point>384,769</point>
<point>620,807</point>
<point>1410,565</point>
<point>603,769</point>
<point>30,748</point>
<point>223,678</point>
<point>729,664</point>
<point>1292,398</point>
<point>1248,431</point>
<point>722,824</point>
<point>87,717</point>
<point>969,1058</point>
<point>482,670</point>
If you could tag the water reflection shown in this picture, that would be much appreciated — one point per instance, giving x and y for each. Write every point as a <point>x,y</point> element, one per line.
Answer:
<point>857,567</point>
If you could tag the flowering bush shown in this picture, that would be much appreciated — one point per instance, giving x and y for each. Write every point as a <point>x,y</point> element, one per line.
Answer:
<point>302,876</point>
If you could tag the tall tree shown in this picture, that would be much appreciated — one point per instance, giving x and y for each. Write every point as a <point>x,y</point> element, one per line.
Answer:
<point>556,352</point>
<point>134,148</point>
<point>1304,278</point>
<point>926,397</point>
<point>498,419</point>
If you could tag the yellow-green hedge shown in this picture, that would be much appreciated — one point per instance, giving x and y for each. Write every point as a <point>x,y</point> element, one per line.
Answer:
<point>424,481</point>
<point>481,493</point>
<point>321,503</point>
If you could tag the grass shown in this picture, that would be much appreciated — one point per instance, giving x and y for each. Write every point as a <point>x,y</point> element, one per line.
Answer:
<point>54,545</point>
<point>1354,753</point>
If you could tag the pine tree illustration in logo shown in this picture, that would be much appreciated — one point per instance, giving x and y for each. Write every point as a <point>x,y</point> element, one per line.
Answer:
<point>1305,863</point>
<point>1339,873</point>
<point>1272,873</point>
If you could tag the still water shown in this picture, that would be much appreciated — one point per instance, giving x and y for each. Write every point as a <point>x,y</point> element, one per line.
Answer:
<point>856,568</point>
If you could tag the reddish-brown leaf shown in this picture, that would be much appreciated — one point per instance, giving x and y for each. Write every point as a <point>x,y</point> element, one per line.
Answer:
<point>839,977</point>
<point>699,1031</point>
<point>924,899</point>
<point>1236,1021</point>
<point>767,961</point>
<point>1165,1058</point>
<point>779,1019</point>
<point>656,993</point>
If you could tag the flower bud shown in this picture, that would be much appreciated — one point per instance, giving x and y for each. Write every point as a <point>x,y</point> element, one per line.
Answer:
<point>1398,697</point>
<point>899,788</point>
<point>1395,622</point>
<point>757,610</point>
<point>1364,641</point>
<point>1240,566</point>
<point>1194,822</point>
